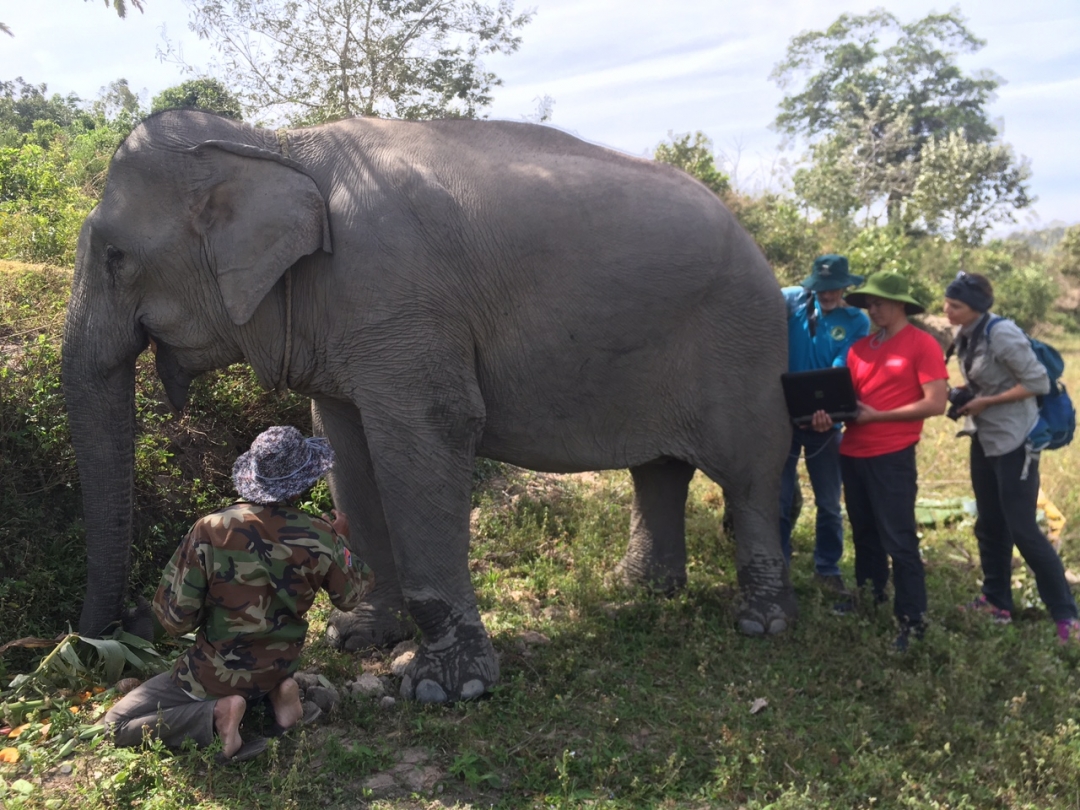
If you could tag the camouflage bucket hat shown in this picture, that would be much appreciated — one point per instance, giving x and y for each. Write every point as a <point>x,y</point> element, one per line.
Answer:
<point>280,465</point>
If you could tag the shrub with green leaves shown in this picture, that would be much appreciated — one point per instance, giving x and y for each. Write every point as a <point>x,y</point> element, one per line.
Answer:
<point>1023,289</point>
<point>788,239</point>
<point>182,464</point>
<point>40,211</point>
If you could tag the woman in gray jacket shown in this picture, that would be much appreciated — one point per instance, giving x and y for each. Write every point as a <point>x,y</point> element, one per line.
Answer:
<point>1003,377</point>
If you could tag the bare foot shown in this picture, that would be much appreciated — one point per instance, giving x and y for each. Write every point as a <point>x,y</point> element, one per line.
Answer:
<point>285,700</point>
<point>228,712</point>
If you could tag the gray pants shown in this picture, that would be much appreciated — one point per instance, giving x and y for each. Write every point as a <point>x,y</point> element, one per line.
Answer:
<point>163,710</point>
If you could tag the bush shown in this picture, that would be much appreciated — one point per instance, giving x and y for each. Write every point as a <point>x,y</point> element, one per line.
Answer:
<point>40,210</point>
<point>182,464</point>
<point>1023,288</point>
<point>48,184</point>
<point>789,241</point>
<point>40,540</point>
<point>1066,256</point>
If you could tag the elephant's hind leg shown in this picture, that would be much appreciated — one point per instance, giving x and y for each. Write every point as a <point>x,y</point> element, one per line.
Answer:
<point>768,601</point>
<point>381,619</point>
<point>656,554</point>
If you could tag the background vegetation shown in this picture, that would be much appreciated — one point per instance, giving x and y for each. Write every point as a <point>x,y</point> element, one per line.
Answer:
<point>608,698</point>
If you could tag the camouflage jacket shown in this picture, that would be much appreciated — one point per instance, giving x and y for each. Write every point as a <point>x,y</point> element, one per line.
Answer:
<point>244,577</point>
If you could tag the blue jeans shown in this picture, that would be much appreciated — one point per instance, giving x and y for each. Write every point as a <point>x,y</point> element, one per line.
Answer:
<point>823,465</point>
<point>880,494</point>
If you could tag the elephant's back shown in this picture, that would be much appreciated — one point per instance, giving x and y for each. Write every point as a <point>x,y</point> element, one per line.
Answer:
<point>540,192</point>
<point>536,215</point>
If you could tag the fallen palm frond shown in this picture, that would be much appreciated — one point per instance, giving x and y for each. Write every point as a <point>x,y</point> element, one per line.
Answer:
<point>46,700</point>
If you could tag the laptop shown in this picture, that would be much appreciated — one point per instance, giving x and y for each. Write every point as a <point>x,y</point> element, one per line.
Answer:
<point>823,389</point>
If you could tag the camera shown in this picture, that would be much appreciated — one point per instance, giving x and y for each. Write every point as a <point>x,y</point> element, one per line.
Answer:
<point>958,398</point>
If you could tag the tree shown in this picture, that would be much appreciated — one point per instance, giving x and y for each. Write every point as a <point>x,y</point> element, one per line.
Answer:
<point>965,188</point>
<point>119,105</point>
<point>914,70</point>
<point>307,61</point>
<point>878,98</point>
<point>199,94</point>
<point>868,159</point>
<point>694,155</point>
<point>22,103</point>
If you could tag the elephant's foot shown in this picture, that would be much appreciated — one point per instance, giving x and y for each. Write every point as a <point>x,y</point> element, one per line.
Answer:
<point>652,575</point>
<point>379,621</point>
<point>768,600</point>
<point>459,666</point>
<point>139,620</point>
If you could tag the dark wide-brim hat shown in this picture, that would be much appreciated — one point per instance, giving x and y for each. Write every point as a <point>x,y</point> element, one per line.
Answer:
<point>830,272</point>
<point>886,284</point>
<point>281,464</point>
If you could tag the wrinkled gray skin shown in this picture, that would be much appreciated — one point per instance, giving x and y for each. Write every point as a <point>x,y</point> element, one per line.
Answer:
<point>459,288</point>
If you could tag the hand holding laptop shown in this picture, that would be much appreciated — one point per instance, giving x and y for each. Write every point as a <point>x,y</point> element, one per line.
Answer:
<point>821,421</point>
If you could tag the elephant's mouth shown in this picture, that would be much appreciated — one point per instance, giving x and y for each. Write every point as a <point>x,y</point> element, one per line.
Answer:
<point>174,377</point>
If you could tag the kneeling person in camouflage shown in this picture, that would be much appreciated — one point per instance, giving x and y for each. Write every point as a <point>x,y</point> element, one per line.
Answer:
<point>243,578</point>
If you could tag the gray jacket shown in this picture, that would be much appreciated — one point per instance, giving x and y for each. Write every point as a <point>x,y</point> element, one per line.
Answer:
<point>1000,361</point>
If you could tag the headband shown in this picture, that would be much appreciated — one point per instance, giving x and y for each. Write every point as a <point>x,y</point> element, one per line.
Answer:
<point>969,291</point>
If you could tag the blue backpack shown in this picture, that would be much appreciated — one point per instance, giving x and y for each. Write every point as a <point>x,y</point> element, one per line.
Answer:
<point>1057,416</point>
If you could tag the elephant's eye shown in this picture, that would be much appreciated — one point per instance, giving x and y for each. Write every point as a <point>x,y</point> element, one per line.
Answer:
<point>114,260</point>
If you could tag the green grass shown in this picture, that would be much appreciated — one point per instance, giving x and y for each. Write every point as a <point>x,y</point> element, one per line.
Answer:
<point>638,701</point>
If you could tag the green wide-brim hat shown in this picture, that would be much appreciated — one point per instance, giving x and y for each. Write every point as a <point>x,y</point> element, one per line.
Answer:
<point>830,272</point>
<point>886,284</point>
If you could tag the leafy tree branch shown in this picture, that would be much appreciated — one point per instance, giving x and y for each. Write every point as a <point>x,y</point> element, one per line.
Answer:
<point>307,61</point>
<point>694,155</point>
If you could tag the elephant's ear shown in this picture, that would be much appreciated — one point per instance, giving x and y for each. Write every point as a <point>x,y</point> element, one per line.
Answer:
<point>258,213</point>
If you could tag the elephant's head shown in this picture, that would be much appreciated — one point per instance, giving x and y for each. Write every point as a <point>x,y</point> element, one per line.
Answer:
<point>200,219</point>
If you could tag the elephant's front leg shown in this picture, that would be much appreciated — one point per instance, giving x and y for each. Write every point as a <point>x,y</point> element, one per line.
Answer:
<point>381,619</point>
<point>423,464</point>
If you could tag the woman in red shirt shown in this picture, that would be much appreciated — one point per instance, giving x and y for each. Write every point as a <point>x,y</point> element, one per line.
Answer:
<point>900,380</point>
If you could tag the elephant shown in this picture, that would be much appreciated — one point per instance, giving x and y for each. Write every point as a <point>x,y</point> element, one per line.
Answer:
<point>441,290</point>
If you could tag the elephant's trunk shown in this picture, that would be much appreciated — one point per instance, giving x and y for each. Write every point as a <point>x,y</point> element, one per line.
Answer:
<point>99,356</point>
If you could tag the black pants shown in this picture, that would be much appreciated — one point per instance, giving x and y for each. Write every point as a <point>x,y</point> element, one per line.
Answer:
<point>1006,519</point>
<point>880,496</point>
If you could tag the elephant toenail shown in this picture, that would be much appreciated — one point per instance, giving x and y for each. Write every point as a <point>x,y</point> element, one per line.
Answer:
<point>427,691</point>
<point>777,626</point>
<point>751,627</point>
<point>472,689</point>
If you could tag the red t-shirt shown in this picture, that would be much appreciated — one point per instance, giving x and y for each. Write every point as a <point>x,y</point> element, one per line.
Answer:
<point>887,376</point>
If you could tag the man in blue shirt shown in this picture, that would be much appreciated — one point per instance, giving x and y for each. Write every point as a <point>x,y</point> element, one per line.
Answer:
<point>821,329</point>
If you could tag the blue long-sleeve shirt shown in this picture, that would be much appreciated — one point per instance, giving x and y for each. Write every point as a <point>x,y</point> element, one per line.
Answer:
<point>836,331</point>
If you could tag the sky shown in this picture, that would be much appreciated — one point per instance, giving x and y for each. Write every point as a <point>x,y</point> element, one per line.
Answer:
<point>626,73</point>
